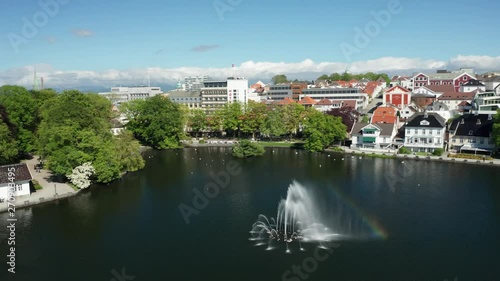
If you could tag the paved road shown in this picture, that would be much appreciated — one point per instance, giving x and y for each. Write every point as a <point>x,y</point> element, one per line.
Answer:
<point>50,188</point>
<point>371,106</point>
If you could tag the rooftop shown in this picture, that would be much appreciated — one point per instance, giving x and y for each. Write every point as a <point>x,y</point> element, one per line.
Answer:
<point>21,171</point>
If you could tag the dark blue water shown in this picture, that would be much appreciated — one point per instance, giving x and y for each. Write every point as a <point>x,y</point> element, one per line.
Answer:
<point>429,220</point>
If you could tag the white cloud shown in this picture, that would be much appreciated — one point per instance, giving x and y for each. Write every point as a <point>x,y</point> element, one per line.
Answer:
<point>82,32</point>
<point>306,69</point>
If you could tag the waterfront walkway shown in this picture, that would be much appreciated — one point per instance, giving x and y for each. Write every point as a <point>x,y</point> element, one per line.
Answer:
<point>443,157</point>
<point>51,190</point>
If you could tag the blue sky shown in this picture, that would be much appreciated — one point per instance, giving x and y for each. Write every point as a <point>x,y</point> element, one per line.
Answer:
<point>98,35</point>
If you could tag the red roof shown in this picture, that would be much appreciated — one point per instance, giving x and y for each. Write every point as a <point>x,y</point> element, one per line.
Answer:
<point>307,101</point>
<point>285,101</point>
<point>441,88</point>
<point>324,102</point>
<point>397,87</point>
<point>384,114</point>
<point>457,96</point>
<point>349,103</point>
<point>464,103</point>
<point>370,87</point>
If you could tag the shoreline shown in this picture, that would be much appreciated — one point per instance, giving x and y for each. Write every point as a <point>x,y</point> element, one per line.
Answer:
<point>382,155</point>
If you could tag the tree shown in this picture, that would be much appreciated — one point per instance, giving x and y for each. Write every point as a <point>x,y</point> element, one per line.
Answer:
<point>21,109</point>
<point>279,79</point>
<point>496,129</point>
<point>246,148</point>
<point>128,150</point>
<point>80,175</point>
<point>346,76</point>
<point>323,77</point>
<point>292,114</point>
<point>348,115</point>
<point>335,77</point>
<point>365,119</point>
<point>322,130</point>
<point>8,143</point>
<point>156,122</point>
<point>232,115</point>
<point>197,121</point>
<point>273,125</point>
<point>253,117</point>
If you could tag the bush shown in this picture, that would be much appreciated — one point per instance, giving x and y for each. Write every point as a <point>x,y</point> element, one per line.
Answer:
<point>469,156</point>
<point>337,149</point>
<point>202,142</point>
<point>404,150</point>
<point>36,185</point>
<point>438,152</point>
<point>245,149</point>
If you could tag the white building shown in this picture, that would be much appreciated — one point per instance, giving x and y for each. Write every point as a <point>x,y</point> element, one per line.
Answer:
<point>492,83</point>
<point>486,102</point>
<point>425,132</point>
<point>191,99</point>
<point>21,178</point>
<point>124,94</point>
<point>215,94</point>
<point>377,136</point>
<point>472,86</point>
<point>279,92</point>
<point>333,94</point>
<point>194,83</point>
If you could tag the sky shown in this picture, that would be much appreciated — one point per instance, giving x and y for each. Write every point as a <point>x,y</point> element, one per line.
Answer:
<point>107,43</point>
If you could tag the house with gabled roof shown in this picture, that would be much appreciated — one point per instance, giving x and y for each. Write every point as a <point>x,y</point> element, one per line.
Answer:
<point>307,101</point>
<point>453,99</point>
<point>473,85</point>
<point>376,136</point>
<point>397,96</point>
<point>14,180</point>
<point>472,133</point>
<point>425,132</point>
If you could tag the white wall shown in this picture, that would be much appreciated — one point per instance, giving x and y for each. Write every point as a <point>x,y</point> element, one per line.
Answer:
<point>238,88</point>
<point>25,189</point>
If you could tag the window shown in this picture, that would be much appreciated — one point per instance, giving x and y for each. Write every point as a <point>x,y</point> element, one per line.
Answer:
<point>461,140</point>
<point>471,133</point>
<point>19,187</point>
<point>423,132</point>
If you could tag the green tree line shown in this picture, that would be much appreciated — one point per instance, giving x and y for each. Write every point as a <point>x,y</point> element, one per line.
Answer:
<point>66,130</point>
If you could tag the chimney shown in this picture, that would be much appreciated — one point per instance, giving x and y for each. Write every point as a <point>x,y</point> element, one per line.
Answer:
<point>426,115</point>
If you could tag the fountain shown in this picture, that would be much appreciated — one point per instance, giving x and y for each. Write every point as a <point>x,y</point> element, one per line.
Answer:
<point>298,220</point>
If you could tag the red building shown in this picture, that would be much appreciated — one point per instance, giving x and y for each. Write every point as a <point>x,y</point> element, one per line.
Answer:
<point>397,96</point>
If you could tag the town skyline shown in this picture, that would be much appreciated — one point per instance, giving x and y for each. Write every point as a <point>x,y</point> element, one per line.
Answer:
<point>122,43</point>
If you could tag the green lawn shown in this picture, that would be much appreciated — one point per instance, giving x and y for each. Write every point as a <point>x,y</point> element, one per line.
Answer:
<point>276,144</point>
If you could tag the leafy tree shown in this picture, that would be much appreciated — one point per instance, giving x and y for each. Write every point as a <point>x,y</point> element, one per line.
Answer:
<point>404,150</point>
<point>348,115</point>
<point>292,115</point>
<point>128,149</point>
<point>253,118</point>
<point>496,129</point>
<point>323,77</point>
<point>438,152</point>
<point>21,109</point>
<point>322,130</point>
<point>197,121</point>
<point>8,145</point>
<point>246,148</point>
<point>157,122</point>
<point>232,115</point>
<point>365,119</point>
<point>80,175</point>
<point>346,76</point>
<point>279,79</point>
<point>273,125</point>
<point>335,77</point>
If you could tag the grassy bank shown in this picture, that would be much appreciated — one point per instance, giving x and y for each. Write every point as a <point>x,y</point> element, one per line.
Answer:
<point>277,144</point>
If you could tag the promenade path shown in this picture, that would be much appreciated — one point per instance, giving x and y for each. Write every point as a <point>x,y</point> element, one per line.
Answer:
<point>51,190</point>
<point>444,157</point>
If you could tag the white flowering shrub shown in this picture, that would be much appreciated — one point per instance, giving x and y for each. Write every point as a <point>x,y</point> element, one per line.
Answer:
<point>81,175</point>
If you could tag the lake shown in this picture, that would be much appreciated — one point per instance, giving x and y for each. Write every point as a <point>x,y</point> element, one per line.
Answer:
<point>416,220</point>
